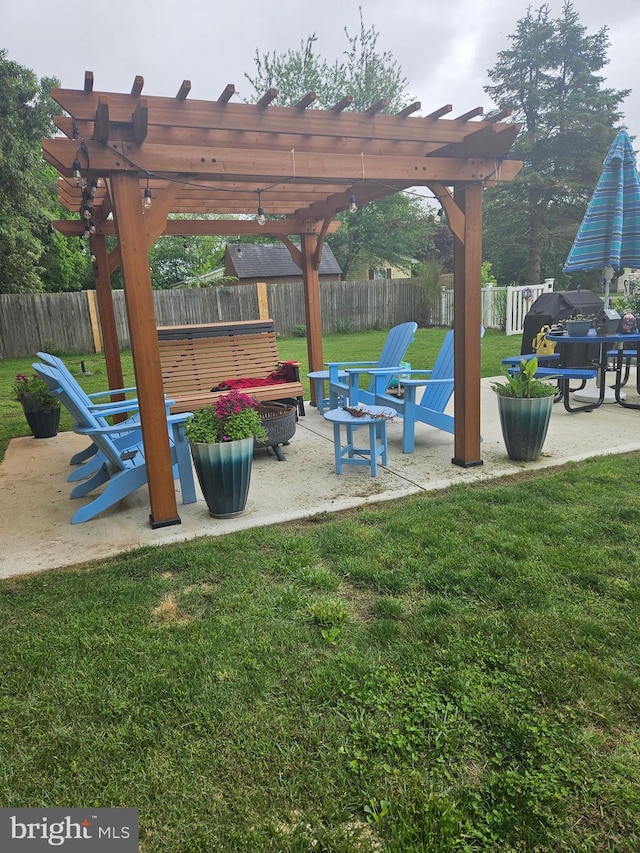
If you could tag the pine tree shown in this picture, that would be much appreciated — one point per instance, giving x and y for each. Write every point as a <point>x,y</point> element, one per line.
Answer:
<point>549,77</point>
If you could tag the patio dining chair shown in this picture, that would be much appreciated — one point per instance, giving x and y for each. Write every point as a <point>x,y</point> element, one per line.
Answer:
<point>123,467</point>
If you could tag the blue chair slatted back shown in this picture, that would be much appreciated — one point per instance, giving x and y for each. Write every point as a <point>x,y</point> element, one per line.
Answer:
<point>65,374</point>
<point>395,347</point>
<point>437,396</point>
<point>84,420</point>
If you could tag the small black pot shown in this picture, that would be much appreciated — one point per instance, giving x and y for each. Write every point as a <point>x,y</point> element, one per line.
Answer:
<point>43,423</point>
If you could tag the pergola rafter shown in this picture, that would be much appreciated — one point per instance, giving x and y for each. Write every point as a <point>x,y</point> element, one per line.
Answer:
<point>301,166</point>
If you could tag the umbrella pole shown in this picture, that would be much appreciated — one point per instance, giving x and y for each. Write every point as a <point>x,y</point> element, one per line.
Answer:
<point>608,278</point>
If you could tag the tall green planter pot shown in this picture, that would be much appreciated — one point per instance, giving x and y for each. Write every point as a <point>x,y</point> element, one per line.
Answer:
<point>43,423</point>
<point>224,473</point>
<point>524,422</point>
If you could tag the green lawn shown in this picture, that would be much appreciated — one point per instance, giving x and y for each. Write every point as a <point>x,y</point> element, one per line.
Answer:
<point>451,672</point>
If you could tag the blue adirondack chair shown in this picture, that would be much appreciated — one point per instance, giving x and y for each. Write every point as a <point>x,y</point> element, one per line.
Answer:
<point>123,469</point>
<point>392,354</point>
<point>430,409</point>
<point>85,458</point>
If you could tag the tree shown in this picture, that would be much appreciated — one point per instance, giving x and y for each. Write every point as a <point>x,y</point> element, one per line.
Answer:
<point>31,256</point>
<point>364,73</point>
<point>174,260</point>
<point>549,78</point>
<point>391,231</point>
<point>397,228</point>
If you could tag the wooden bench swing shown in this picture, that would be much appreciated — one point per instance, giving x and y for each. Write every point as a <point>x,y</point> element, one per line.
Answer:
<point>196,359</point>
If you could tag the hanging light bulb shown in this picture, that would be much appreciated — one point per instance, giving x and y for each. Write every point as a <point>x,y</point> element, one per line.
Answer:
<point>92,227</point>
<point>147,194</point>
<point>76,172</point>
<point>352,204</point>
<point>260,217</point>
<point>94,188</point>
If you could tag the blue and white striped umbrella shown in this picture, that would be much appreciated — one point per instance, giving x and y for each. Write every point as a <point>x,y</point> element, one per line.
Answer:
<point>609,234</point>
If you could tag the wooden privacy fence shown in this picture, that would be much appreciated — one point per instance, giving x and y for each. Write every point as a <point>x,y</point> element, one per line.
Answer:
<point>68,322</point>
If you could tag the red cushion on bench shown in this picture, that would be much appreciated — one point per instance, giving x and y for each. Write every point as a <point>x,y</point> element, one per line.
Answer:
<point>286,373</point>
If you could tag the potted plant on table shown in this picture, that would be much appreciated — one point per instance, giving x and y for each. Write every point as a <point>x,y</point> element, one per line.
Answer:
<point>578,325</point>
<point>524,405</point>
<point>40,407</point>
<point>221,438</point>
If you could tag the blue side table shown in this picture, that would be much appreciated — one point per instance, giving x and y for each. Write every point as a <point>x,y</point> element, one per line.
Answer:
<point>377,427</point>
<point>319,377</point>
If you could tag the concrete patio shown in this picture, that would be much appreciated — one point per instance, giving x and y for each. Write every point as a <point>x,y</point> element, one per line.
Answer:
<point>35,509</point>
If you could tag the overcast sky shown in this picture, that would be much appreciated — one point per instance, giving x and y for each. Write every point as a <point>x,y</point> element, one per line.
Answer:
<point>444,47</point>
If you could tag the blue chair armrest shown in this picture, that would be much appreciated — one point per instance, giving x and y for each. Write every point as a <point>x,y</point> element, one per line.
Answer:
<point>108,393</point>
<point>347,363</point>
<point>385,371</point>
<point>418,382</point>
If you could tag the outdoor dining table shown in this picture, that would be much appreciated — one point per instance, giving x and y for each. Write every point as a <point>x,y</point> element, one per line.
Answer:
<point>619,343</point>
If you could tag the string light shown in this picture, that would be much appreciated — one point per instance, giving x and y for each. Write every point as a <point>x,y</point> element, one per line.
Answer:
<point>352,203</point>
<point>147,195</point>
<point>76,172</point>
<point>260,218</point>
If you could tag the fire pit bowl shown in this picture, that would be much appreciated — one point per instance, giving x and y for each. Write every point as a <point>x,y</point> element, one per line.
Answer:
<point>279,421</point>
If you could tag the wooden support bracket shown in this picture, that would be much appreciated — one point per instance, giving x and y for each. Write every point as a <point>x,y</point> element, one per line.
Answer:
<point>102,124</point>
<point>140,121</point>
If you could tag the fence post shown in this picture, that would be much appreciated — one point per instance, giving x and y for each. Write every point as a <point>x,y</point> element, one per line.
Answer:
<point>263,300</point>
<point>93,316</point>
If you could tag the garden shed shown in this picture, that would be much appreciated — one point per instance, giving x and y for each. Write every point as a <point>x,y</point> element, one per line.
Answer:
<point>127,161</point>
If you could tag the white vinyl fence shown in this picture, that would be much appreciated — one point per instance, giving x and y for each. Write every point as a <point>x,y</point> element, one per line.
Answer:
<point>502,307</point>
<point>519,300</point>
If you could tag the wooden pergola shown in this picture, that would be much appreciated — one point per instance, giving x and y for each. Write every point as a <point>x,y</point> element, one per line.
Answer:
<point>126,162</point>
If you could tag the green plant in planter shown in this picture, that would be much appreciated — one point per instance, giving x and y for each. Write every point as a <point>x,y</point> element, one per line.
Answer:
<point>33,393</point>
<point>524,405</point>
<point>221,438</point>
<point>524,383</point>
<point>41,408</point>
<point>231,417</point>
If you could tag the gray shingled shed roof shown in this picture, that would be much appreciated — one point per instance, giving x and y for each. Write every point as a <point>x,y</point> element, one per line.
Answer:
<point>271,260</point>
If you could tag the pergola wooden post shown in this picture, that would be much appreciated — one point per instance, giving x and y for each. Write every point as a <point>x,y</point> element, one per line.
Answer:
<point>301,166</point>
<point>144,345</point>
<point>108,326</point>
<point>467,312</point>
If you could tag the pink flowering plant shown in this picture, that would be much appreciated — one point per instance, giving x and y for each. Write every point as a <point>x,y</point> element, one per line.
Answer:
<point>232,417</point>
<point>33,393</point>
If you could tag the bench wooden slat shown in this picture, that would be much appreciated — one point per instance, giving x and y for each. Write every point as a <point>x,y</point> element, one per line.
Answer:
<point>196,358</point>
